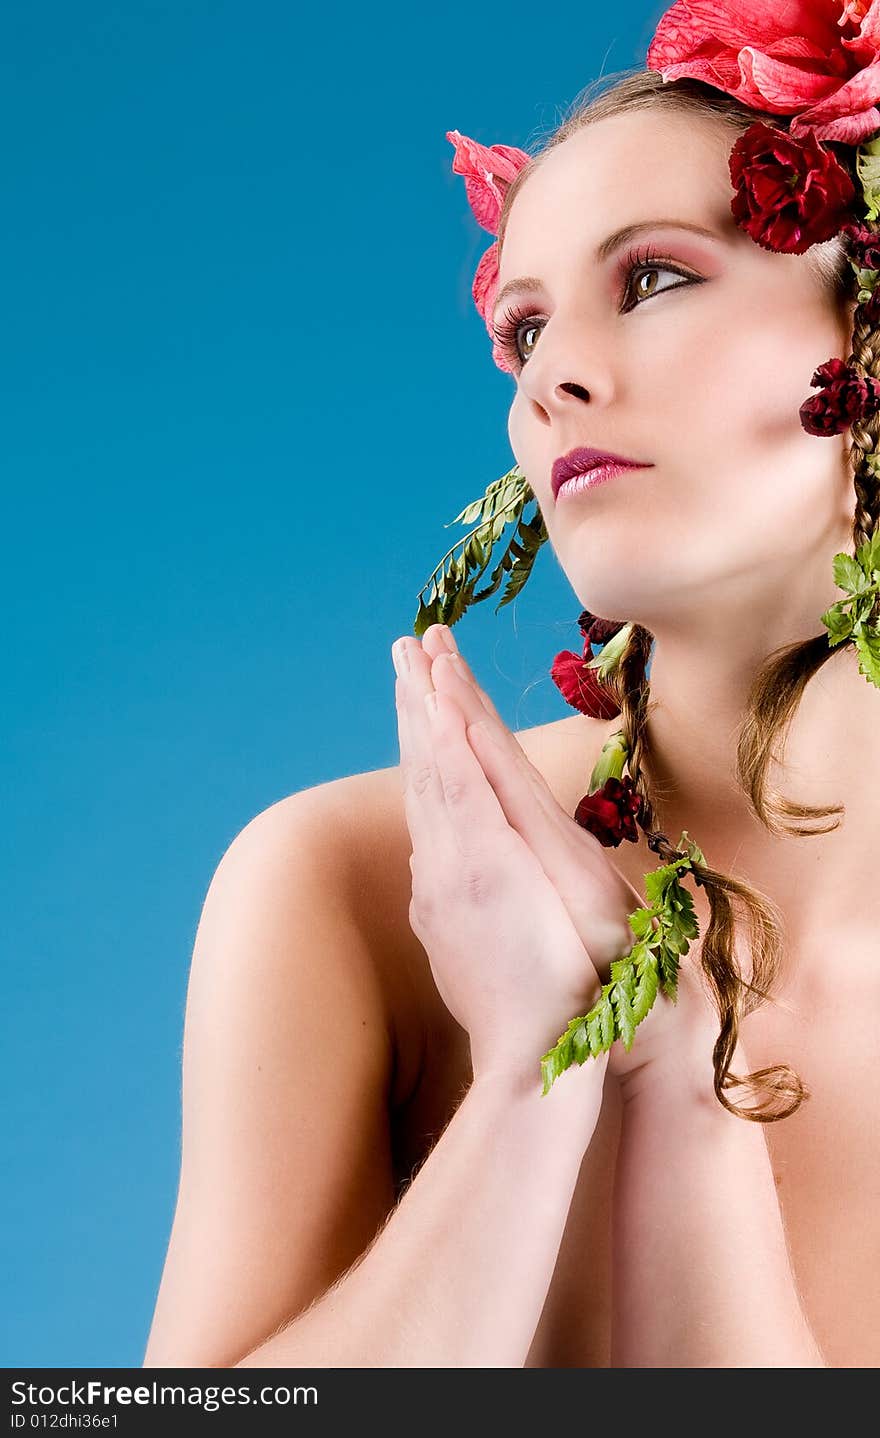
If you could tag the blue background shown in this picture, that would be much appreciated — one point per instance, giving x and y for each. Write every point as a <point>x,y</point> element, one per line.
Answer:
<point>244,387</point>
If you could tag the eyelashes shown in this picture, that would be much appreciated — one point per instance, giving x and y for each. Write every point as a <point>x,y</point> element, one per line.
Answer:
<point>511,320</point>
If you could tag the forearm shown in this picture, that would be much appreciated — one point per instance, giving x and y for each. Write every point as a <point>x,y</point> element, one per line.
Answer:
<point>702,1275</point>
<point>458,1275</point>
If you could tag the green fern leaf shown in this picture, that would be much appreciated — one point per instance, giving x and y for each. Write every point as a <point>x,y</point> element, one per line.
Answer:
<point>647,985</point>
<point>667,966</point>
<point>454,591</point>
<point>867,642</point>
<point>622,995</point>
<point>534,533</point>
<point>636,979</point>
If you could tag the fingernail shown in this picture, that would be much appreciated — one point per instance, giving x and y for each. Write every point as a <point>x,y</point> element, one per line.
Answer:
<point>399,656</point>
<point>446,635</point>
<point>431,704</point>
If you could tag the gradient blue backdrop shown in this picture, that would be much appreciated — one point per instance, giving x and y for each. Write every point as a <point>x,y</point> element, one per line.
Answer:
<point>244,387</point>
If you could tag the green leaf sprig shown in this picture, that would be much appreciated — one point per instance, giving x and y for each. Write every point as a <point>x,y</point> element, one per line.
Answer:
<point>868,171</point>
<point>662,929</point>
<point>851,618</point>
<point>452,588</point>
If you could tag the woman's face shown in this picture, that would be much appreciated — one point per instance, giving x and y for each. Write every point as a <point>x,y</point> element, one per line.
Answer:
<point>703,380</point>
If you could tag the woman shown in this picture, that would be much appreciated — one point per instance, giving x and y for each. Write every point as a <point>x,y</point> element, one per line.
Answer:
<point>382,961</point>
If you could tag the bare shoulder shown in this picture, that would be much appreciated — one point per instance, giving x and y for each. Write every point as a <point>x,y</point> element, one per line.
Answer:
<point>286,1167</point>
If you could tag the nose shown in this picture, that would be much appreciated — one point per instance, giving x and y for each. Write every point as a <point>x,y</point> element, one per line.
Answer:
<point>566,369</point>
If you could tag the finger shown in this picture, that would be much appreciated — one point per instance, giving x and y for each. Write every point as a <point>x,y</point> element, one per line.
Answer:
<point>529,805</point>
<point>437,640</point>
<point>451,675</point>
<point>424,804</point>
<point>447,674</point>
<point>456,676</point>
<point>427,796</point>
<point>475,817</point>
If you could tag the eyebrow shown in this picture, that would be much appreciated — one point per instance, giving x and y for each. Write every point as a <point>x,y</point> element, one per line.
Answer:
<point>530,285</point>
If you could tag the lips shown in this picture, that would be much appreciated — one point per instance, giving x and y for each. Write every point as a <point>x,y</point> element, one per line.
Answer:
<point>582,460</point>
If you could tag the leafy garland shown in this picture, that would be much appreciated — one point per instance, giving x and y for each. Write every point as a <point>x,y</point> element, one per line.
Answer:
<point>663,930</point>
<point>453,590</point>
<point>851,618</point>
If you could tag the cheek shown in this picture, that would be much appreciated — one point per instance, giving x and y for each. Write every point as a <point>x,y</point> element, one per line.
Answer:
<point>520,430</point>
<point>747,453</point>
<point>738,392</point>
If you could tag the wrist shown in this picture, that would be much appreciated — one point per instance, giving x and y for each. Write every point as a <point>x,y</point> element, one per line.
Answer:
<point>571,1105</point>
<point>684,1077</point>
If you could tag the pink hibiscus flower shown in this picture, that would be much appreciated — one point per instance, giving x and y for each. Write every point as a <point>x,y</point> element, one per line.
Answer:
<point>816,60</point>
<point>487,171</point>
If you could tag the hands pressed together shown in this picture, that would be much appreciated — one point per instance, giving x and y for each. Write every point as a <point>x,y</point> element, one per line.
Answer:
<point>519,909</point>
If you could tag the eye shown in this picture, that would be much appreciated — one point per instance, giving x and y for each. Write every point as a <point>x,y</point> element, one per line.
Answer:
<point>515,322</point>
<point>507,329</point>
<point>648,262</point>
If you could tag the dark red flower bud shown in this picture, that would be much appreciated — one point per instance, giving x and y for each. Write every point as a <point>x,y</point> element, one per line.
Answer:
<point>598,631</point>
<point>844,397</point>
<point>790,193</point>
<point>610,813</point>
<point>863,245</point>
<point>601,630</point>
<point>581,686</point>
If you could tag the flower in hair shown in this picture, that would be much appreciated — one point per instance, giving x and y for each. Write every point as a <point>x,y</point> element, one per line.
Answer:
<point>790,194</point>
<point>610,813</point>
<point>863,245</point>
<point>581,686</point>
<point>487,171</point>
<point>845,396</point>
<point>816,61</point>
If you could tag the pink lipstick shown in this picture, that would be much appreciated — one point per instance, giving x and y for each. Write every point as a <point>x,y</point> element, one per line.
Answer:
<point>583,468</point>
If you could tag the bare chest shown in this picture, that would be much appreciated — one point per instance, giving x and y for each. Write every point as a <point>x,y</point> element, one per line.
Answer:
<point>825,1159</point>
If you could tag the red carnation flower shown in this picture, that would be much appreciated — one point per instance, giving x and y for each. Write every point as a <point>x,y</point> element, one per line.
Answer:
<point>610,813</point>
<point>581,687</point>
<point>864,245</point>
<point>845,396</point>
<point>790,194</point>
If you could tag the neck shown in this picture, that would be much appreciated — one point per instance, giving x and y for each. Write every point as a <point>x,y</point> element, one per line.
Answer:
<point>699,681</point>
